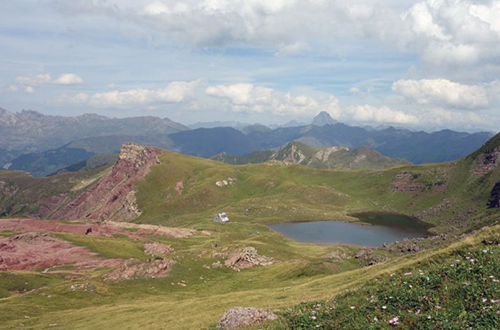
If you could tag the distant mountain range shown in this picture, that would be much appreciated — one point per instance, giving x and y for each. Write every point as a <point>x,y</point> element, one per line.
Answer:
<point>326,158</point>
<point>40,144</point>
<point>30,131</point>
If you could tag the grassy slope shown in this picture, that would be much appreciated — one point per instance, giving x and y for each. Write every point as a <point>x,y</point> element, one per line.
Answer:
<point>462,291</point>
<point>273,192</point>
<point>27,194</point>
<point>362,158</point>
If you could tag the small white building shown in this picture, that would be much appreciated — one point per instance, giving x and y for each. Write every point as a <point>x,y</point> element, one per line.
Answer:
<point>221,217</point>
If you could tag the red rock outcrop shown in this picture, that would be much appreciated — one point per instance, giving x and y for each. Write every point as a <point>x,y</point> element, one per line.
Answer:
<point>113,197</point>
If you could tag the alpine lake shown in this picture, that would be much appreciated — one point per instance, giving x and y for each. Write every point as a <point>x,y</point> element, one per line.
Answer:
<point>373,230</point>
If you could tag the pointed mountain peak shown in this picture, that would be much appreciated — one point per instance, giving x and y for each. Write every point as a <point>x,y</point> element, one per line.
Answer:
<point>323,118</point>
<point>7,118</point>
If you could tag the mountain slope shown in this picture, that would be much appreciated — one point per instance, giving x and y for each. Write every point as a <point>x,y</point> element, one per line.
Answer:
<point>331,158</point>
<point>204,142</point>
<point>416,147</point>
<point>455,196</point>
<point>50,161</point>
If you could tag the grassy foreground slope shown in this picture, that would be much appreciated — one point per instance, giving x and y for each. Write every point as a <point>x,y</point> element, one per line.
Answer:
<point>462,292</point>
<point>158,304</point>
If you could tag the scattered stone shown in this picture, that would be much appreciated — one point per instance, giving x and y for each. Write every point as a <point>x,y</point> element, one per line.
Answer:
<point>247,257</point>
<point>377,259</point>
<point>338,255</point>
<point>414,248</point>
<point>87,287</point>
<point>243,317</point>
<point>156,249</point>
<point>179,187</point>
<point>217,264</point>
<point>134,268</point>
<point>362,254</point>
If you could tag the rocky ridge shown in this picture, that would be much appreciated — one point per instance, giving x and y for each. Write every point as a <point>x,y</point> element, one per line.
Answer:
<point>113,197</point>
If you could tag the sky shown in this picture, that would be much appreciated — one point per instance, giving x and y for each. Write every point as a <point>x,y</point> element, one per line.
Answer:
<point>427,65</point>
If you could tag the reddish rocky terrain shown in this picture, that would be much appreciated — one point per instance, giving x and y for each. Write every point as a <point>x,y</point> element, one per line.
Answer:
<point>113,197</point>
<point>34,248</point>
<point>96,229</point>
<point>30,251</point>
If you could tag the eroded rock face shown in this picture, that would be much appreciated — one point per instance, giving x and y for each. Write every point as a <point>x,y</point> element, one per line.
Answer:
<point>434,211</point>
<point>247,257</point>
<point>243,317</point>
<point>486,162</point>
<point>405,183</point>
<point>113,197</point>
<point>494,200</point>
<point>51,204</point>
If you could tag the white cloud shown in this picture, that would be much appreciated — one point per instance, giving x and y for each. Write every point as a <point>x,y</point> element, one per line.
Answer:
<point>369,113</point>
<point>242,94</point>
<point>260,99</point>
<point>292,49</point>
<point>69,79</point>
<point>28,83</point>
<point>13,88</point>
<point>443,118</point>
<point>174,92</point>
<point>29,89</point>
<point>441,32</point>
<point>34,81</point>
<point>156,8</point>
<point>442,92</point>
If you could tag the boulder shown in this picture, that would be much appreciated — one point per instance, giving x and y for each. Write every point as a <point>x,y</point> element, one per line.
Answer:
<point>247,257</point>
<point>156,249</point>
<point>243,317</point>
